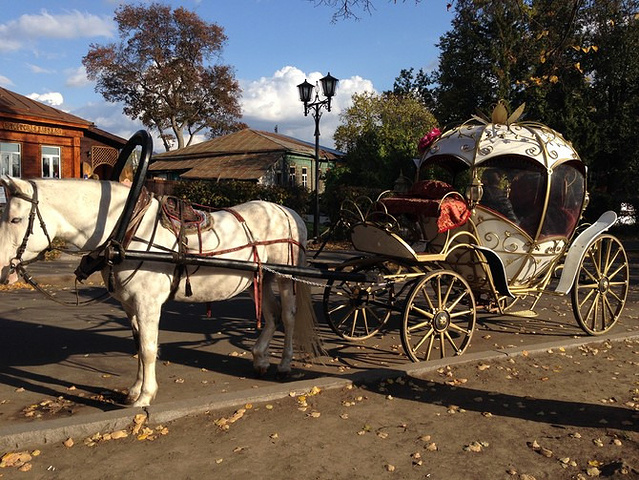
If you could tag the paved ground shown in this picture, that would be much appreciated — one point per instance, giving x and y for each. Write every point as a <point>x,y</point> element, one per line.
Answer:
<point>64,367</point>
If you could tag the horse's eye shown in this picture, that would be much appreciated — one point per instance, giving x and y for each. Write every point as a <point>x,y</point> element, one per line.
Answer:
<point>16,220</point>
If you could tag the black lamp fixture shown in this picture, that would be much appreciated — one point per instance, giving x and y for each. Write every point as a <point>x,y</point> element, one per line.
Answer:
<point>306,89</point>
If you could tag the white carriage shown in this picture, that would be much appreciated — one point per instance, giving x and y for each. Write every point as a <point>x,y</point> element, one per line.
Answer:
<point>499,228</point>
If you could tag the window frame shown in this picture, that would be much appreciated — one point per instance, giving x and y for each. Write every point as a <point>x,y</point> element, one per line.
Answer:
<point>52,158</point>
<point>11,159</point>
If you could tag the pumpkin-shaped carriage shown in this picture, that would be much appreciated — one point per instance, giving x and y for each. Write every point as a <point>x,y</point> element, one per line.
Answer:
<point>499,228</point>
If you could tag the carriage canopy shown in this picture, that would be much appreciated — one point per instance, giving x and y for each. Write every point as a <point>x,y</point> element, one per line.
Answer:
<point>525,172</point>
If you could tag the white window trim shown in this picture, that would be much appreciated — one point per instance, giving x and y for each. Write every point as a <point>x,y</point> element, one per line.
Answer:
<point>50,157</point>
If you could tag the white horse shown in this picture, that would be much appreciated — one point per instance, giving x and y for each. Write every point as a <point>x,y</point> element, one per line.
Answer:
<point>84,213</point>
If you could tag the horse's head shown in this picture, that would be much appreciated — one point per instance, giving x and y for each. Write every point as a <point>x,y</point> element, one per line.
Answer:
<point>22,237</point>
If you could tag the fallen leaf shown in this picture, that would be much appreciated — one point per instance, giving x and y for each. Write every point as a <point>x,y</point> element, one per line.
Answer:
<point>14,459</point>
<point>593,471</point>
<point>68,442</point>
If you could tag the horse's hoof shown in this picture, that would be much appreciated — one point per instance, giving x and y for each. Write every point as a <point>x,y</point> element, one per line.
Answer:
<point>260,372</point>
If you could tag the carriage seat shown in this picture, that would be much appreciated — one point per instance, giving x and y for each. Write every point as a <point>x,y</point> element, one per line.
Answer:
<point>428,198</point>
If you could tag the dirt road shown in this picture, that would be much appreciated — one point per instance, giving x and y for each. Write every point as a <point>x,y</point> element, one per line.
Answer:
<point>562,414</point>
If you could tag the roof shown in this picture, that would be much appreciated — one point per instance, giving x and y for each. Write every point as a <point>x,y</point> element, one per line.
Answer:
<point>245,155</point>
<point>476,143</point>
<point>20,106</point>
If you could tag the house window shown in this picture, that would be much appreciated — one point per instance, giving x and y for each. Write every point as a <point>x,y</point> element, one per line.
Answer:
<point>304,177</point>
<point>291,175</point>
<point>10,159</point>
<point>51,162</point>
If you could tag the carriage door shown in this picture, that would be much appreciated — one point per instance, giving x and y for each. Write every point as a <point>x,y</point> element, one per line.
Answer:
<point>50,162</point>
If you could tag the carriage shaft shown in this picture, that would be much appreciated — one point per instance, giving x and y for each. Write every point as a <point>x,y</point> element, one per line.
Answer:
<point>245,265</point>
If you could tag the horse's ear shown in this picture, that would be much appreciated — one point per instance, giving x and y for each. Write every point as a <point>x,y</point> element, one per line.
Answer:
<point>10,186</point>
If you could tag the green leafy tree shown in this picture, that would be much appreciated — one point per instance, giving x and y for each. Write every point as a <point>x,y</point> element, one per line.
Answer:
<point>162,71</point>
<point>380,134</point>
<point>418,84</point>
<point>609,59</point>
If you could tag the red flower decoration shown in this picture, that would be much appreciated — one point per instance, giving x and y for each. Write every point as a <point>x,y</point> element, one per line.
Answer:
<point>428,139</point>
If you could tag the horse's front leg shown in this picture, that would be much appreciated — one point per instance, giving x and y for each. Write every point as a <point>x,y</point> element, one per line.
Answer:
<point>136,388</point>
<point>147,319</point>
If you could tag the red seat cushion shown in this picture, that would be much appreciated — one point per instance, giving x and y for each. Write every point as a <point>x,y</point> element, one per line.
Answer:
<point>433,189</point>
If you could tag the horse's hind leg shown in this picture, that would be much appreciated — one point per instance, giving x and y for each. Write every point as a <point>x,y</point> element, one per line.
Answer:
<point>287,295</point>
<point>271,314</point>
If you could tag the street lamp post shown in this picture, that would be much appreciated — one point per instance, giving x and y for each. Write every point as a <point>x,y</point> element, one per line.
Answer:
<point>329,85</point>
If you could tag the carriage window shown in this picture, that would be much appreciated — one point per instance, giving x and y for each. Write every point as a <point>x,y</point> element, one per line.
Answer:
<point>567,192</point>
<point>51,162</point>
<point>10,159</point>
<point>447,169</point>
<point>515,188</point>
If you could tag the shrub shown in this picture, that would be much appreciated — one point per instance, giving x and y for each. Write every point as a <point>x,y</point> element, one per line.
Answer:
<point>228,194</point>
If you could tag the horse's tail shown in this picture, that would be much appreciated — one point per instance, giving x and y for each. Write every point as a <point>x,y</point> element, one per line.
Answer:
<point>306,332</point>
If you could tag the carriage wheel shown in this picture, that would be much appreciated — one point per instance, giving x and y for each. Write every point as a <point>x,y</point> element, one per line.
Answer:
<point>600,289</point>
<point>439,317</point>
<point>357,311</point>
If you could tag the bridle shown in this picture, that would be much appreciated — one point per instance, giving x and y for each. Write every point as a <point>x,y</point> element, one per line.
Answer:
<point>17,264</point>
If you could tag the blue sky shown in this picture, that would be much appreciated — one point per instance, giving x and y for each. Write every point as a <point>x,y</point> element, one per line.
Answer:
<point>272,44</point>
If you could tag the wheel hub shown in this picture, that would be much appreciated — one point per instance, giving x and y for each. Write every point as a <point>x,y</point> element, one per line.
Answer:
<point>604,284</point>
<point>441,321</point>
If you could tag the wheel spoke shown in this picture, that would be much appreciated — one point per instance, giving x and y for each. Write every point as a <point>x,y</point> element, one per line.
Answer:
<point>348,314</point>
<point>430,344</point>
<point>422,312</point>
<point>426,336</point>
<point>457,328</point>
<point>450,340</point>
<point>339,307</point>
<point>611,262</point>
<point>587,297</point>
<point>595,262</point>
<point>428,301</point>
<point>355,315</point>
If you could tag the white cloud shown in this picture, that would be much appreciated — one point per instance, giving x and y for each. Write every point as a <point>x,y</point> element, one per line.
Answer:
<point>54,99</point>
<point>274,100</point>
<point>77,77</point>
<point>5,81</point>
<point>37,69</point>
<point>14,34</point>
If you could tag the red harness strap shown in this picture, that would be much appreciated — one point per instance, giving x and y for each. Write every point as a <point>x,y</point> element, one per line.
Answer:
<point>258,277</point>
